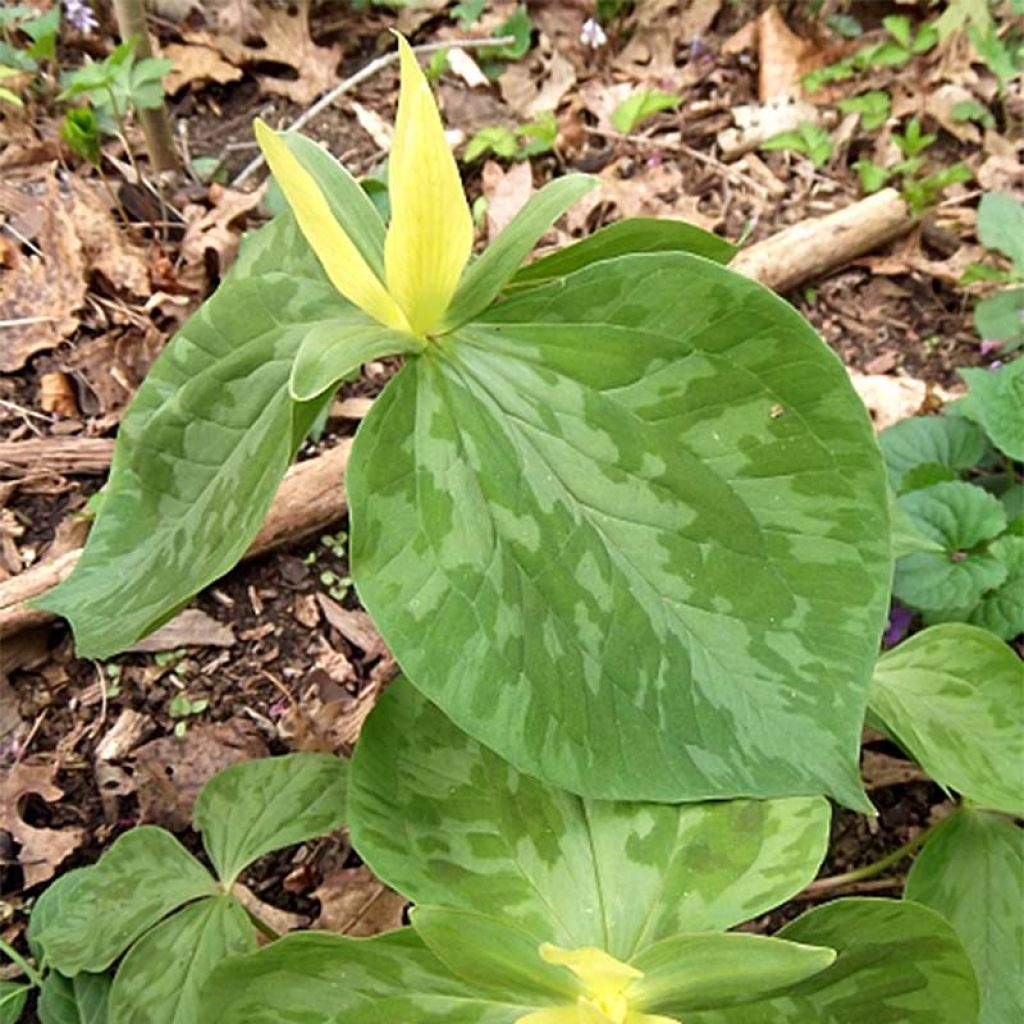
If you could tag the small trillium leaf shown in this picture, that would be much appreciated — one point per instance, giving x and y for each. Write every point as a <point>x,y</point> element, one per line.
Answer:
<point>996,401</point>
<point>656,468</point>
<point>625,237</point>
<point>492,956</point>
<point>897,962</point>
<point>331,351</point>
<point>953,697</point>
<point>252,808</point>
<point>686,973</point>
<point>160,979</point>
<point>972,872</point>
<point>201,449</point>
<point>79,1000</point>
<point>13,995</point>
<point>487,275</point>
<point>144,875</point>
<point>949,441</point>
<point>1002,610</point>
<point>431,232</point>
<point>443,820</point>
<point>342,261</point>
<point>49,907</point>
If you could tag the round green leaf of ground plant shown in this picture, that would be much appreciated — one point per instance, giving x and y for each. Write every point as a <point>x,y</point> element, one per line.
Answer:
<point>144,875</point>
<point>949,441</point>
<point>445,821</point>
<point>254,807</point>
<point>1001,226</point>
<point>687,973</point>
<point>201,449</point>
<point>898,963</point>
<point>953,697</point>
<point>13,995</point>
<point>972,872</point>
<point>313,978</point>
<point>996,401</point>
<point>629,530</point>
<point>1002,610</point>
<point>160,980</point>
<point>998,318</point>
<point>960,517</point>
<point>82,999</point>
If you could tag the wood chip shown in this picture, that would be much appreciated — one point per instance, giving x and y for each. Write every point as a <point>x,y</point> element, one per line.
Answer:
<point>354,626</point>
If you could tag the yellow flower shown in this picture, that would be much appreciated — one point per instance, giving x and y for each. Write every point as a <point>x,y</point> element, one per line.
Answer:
<point>430,236</point>
<point>604,997</point>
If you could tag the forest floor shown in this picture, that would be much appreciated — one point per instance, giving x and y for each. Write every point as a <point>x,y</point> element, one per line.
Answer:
<point>278,655</point>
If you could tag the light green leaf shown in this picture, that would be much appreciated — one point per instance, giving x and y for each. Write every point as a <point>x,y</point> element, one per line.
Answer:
<point>687,973</point>
<point>652,485</point>
<point>960,517</point>
<point>906,537</point>
<point>254,807</point>
<point>1002,610</point>
<point>13,995</point>
<point>948,441</point>
<point>640,105</point>
<point>144,875</point>
<point>79,1000</point>
<point>201,449</point>
<point>996,400</point>
<point>160,979</point>
<point>998,318</point>
<point>1001,226</point>
<point>49,907</point>
<point>953,697</point>
<point>625,237</point>
<point>488,274</point>
<point>899,963</point>
<point>972,872</point>
<point>443,820</point>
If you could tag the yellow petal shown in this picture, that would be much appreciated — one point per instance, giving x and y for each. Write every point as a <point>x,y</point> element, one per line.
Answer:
<point>554,1015</point>
<point>431,232</point>
<point>341,260</point>
<point>601,975</point>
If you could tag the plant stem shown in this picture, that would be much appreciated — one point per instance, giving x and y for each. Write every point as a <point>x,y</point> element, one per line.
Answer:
<point>15,957</point>
<point>877,868</point>
<point>131,21</point>
<point>262,927</point>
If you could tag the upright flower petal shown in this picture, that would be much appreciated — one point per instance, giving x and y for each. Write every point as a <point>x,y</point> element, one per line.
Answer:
<point>600,973</point>
<point>338,255</point>
<point>431,233</point>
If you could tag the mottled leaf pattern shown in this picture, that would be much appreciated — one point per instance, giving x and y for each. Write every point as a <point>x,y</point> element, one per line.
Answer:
<point>82,999</point>
<point>443,820</point>
<point>953,697</point>
<point>630,531</point>
<point>972,872</point>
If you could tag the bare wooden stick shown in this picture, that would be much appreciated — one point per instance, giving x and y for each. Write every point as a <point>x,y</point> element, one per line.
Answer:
<point>71,455</point>
<point>311,497</point>
<point>814,247</point>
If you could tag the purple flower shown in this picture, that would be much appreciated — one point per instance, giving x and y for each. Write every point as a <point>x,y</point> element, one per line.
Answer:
<point>990,345</point>
<point>996,364</point>
<point>80,15</point>
<point>900,619</point>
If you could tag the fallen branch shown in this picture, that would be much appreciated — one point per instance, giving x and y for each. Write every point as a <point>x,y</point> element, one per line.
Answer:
<point>311,497</point>
<point>69,455</point>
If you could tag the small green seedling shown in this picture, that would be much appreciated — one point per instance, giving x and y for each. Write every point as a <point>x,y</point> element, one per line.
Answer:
<point>183,707</point>
<point>640,105</point>
<point>871,107</point>
<point>520,143</point>
<point>808,138</point>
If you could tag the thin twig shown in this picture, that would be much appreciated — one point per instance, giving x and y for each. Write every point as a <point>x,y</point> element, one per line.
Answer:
<point>371,69</point>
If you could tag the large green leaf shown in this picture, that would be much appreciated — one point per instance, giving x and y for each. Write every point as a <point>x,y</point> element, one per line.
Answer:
<point>201,449</point>
<point>899,963</point>
<point>953,697</point>
<point>443,820</point>
<point>144,875</point>
<point>1001,226</point>
<point>996,401</point>
<point>949,441</point>
<point>253,807</point>
<point>961,518</point>
<point>972,872</point>
<point>1002,610</point>
<point>160,979</point>
<point>630,531</point>
<point>82,999</point>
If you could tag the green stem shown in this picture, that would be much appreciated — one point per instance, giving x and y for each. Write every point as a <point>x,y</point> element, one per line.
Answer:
<point>262,927</point>
<point>15,957</point>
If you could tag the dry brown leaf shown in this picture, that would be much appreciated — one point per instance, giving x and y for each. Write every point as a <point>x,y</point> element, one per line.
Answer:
<point>507,192</point>
<point>216,231</point>
<point>354,626</point>
<point>285,30</point>
<point>660,26</point>
<point>353,902</point>
<point>196,65</point>
<point>890,399</point>
<point>281,921</point>
<point>57,395</point>
<point>466,68</point>
<point>109,369</point>
<point>783,58</point>
<point>43,292</point>
<point>43,850</point>
<point>881,770</point>
<point>189,628</point>
<point>531,90</point>
<point>374,125</point>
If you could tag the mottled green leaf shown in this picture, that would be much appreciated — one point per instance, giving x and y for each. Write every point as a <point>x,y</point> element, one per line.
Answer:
<point>443,820</point>
<point>160,979</point>
<point>630,530</point>
<point>82,999</point>
<point>899,963</point>
<point>254,807</point>
<point>960,517</point>
<point>624,237</point>
<point>687,973</point>
<point>144,875</point>
<point>1001,226</point>
<point>488,274</point>
<point>49,907</point>
<point>953,697</point>
<point>949,441</point>
<point>13,995</point>
<point>996,401</point>
<point>201,449</point>
<point>972,872</point>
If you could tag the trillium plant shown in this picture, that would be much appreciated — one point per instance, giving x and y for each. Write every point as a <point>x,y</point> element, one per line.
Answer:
<point>624,524</point>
